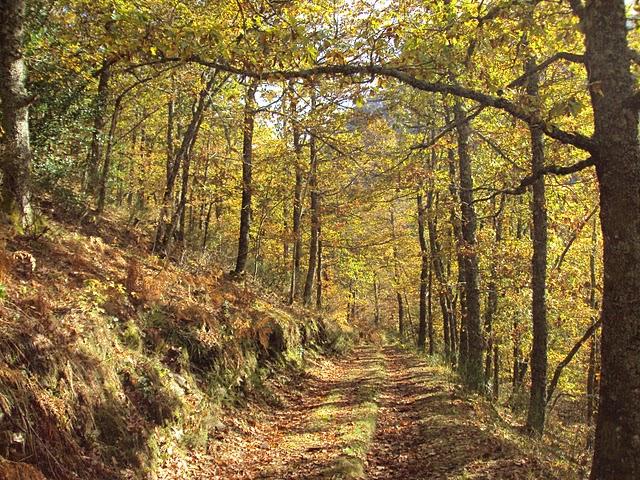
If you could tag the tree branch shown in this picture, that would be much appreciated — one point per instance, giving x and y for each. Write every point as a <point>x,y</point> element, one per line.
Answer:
<point>572,138</point>
<point>451,126</point>
<point>573,238</point>
<point>569,57</point>
<point>531,179</point>
<point>565,361</point>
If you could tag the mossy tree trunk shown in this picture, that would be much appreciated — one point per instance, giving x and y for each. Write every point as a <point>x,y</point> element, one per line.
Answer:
<point>15,152</point>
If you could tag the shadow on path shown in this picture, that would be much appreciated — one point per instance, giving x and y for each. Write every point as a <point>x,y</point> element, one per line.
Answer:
<point>428,430</point>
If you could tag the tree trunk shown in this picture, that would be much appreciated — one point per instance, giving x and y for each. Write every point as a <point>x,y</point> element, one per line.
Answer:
<point>473,367</point>
<point>617,157</point>
<point>396,270</point>
<point>492,296</point>
<point>430,310</point>
<point>104,177</point>
<point>297,205</point>
<point>99,113</point>
<point>247,166</point>
<point>444,291</point>
<point>164,229</point>
<point>319,272</point>
<point>172,166</point>
<point>593,357</point>
<point>401,327</point>
<point>15,154</point>
<point>537,397</point>
<point>315,215</point>
<point>591,389</point>
<point>424,275</point>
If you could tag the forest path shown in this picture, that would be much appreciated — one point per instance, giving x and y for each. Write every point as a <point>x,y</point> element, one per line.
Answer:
<point>380,413</point>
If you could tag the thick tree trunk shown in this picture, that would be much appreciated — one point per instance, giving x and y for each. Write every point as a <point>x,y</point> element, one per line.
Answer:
<point>15,151</point>
<point>617,157</point>
<point>591,389</point>
<point>537,397</point>
<point>247,187</point>
<point>424,275</point>
<point>472,369</point>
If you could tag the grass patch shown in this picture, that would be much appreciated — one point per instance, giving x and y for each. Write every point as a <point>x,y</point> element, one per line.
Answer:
<point>357,421</point>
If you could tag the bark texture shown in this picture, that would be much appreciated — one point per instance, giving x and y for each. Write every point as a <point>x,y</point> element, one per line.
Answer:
<point>617,157</point>
<point>15,154</point>
<point>537,393</point>
<point>472,368</point>
<point>247,187</point>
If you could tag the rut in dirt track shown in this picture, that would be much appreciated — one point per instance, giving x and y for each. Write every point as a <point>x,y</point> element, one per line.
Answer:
<point>427,430</point>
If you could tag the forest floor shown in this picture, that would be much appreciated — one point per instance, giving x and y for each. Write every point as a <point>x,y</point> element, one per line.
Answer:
<point>380,413</point>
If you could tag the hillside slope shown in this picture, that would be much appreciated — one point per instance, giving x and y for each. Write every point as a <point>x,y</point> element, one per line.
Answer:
<point>112,360</point>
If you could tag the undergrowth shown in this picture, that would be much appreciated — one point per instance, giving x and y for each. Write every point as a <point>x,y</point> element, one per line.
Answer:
<point>111,360</point>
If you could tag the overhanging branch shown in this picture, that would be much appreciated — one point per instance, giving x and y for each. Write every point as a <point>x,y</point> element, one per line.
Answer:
<point>531,179</point>
<point>571,138</point>
<point>448,128</point>
<point>569,57</point>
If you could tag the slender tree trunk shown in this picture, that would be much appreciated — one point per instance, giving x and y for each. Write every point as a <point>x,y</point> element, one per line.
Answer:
<point>247,187</point>
<point>99,113</point>
<point>496,373</point>
<point>297,206</point>
<point>181,211</point>
<point>567,359</point>
<point>165,230</point>
<point>444,291</point>
<point>376,299</point>
<point>15,151</point>
<point>401,326</point>
<point>459,342</point>
<point>354,302</point>
<point>537,397</point>
<point>396,271</point>
<point>106,165</point>
<point>319,272</point>
<point>492,296</point>
<point>430,310</point>
<point>315,216</point>
<point>517,356</point>
<point>171,174</point>
<point>424,275</point>
<point>207,222</point>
